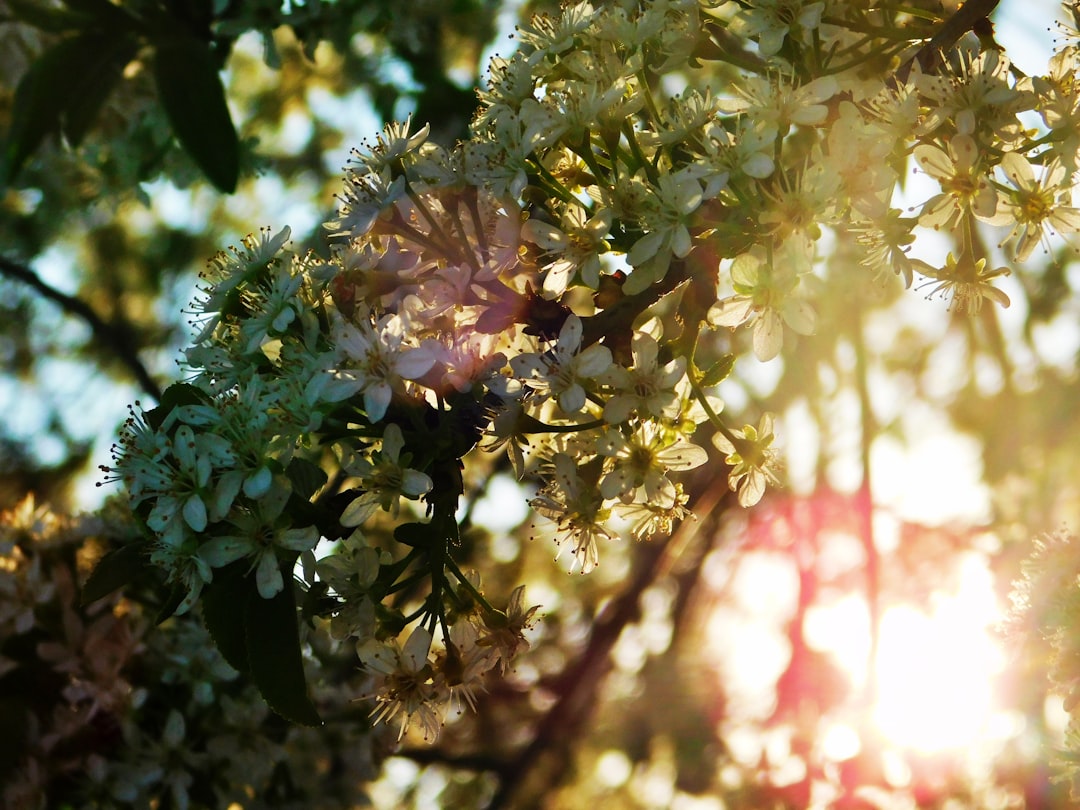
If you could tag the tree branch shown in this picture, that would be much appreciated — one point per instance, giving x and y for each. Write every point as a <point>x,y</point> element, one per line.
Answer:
<point>558,730</point>
<point>968,17</point>
<point>116,340</point>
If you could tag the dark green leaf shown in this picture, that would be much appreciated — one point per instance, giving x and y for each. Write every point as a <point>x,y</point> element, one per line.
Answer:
<point>102,11</point>
<point>223,615</point>
<point>175,396</point>
<point>718,371</point>
<point>63,90</point>
<point>41,96</point>
<point>14,730</point>
<point>274,657</point>
<point>414,534</point>
<point>194,100</point>
<point>115,570</point>
<point>177,592</point>
<point>306,477</point>
<point>47,18</point>
<point>95,83</point>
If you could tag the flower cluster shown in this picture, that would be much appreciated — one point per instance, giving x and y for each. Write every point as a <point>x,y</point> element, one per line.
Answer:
<point>100,712</point>
<point>569,284</point>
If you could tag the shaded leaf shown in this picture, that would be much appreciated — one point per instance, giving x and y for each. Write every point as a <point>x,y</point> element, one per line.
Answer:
<point>274,658</point>
<point>14,731</point>
<point>176,595</point>
<point>47,18</point>
<point>414,534</point>
<point>194,100</point>
<point>115,570</point>
<point>718,371</point>
<point>97,80</point>
<point>175,396</point>
<point>307,477</point>
<point>222,614</point>
<point>64,90</point>
<point>43,94</point>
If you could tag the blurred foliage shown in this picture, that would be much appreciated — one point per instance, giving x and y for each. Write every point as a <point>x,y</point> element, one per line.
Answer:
<point>622,703</point>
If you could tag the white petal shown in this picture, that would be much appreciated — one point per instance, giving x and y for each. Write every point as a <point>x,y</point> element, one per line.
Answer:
<point>413,363</point>
<point>731,311</point>
<point>543,235</point>
<point>392,442</point>
<point>376,400</point>
<point>768,335</point>
<point>258,483</point>
<point>645,248</point>
<point>415,651</point>
<point>619,408</point>
<point>195,513</point>
<point>359,510</point>
<point>572,400</point>
<point>223,550</point>
<point>377,656</point>
<point>299,539</point>
<point>593,361</point>
<point>800,316</point>
<point>570,334</point>
<point>751,488</point>
<point>415,483</point>
<point>745,271</point>
<point>184,447</point>
<point>268,575</point>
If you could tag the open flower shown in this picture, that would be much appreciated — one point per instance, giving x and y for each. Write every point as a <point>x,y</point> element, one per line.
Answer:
<point>646,388</point>
<point>384,479</point>
<point>575,246</point>
<point>1036,205</point>
<point>405,684</point>
<point>376,361</point>
<point>563,369</point>
<point>642,460</point>
<point>752,459</point>
<point>965,187</point>
<point>966,282</point>
<point>771,21</point>
<point>764,299</point>
<point>577,509</point>
<point>258,534</point>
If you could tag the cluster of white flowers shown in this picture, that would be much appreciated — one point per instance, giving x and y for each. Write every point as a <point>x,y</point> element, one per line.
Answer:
<point>571,284</point>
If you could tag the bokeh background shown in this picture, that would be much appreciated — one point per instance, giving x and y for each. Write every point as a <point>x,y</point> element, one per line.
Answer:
<point>840,646</point>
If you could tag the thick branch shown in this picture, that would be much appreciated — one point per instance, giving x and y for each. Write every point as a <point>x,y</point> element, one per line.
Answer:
<point>116,340</point>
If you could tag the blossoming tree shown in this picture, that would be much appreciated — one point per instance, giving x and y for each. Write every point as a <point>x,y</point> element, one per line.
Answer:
<point>653,197</point>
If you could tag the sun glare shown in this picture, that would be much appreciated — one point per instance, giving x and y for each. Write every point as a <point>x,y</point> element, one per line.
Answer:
<point>936,668</point>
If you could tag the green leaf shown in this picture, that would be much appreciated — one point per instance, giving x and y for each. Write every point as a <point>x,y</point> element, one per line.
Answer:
<point>223,613</point>
<point>276,665</point>
<point>41,96</point>
<point>14,730</point>
<point>718,371</point>
<point>194,100</point>
<point>414,534</point>
<point>115,570</point>
<point>307,477</point>
<point>94,84</point>
<point>175,396</point>
<point>177,592</point>
<point>104,12</point>
<point>47,18</point>
<point>63,91</point>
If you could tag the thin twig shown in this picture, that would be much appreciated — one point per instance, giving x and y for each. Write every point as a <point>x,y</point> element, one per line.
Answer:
<point>118,341</point>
